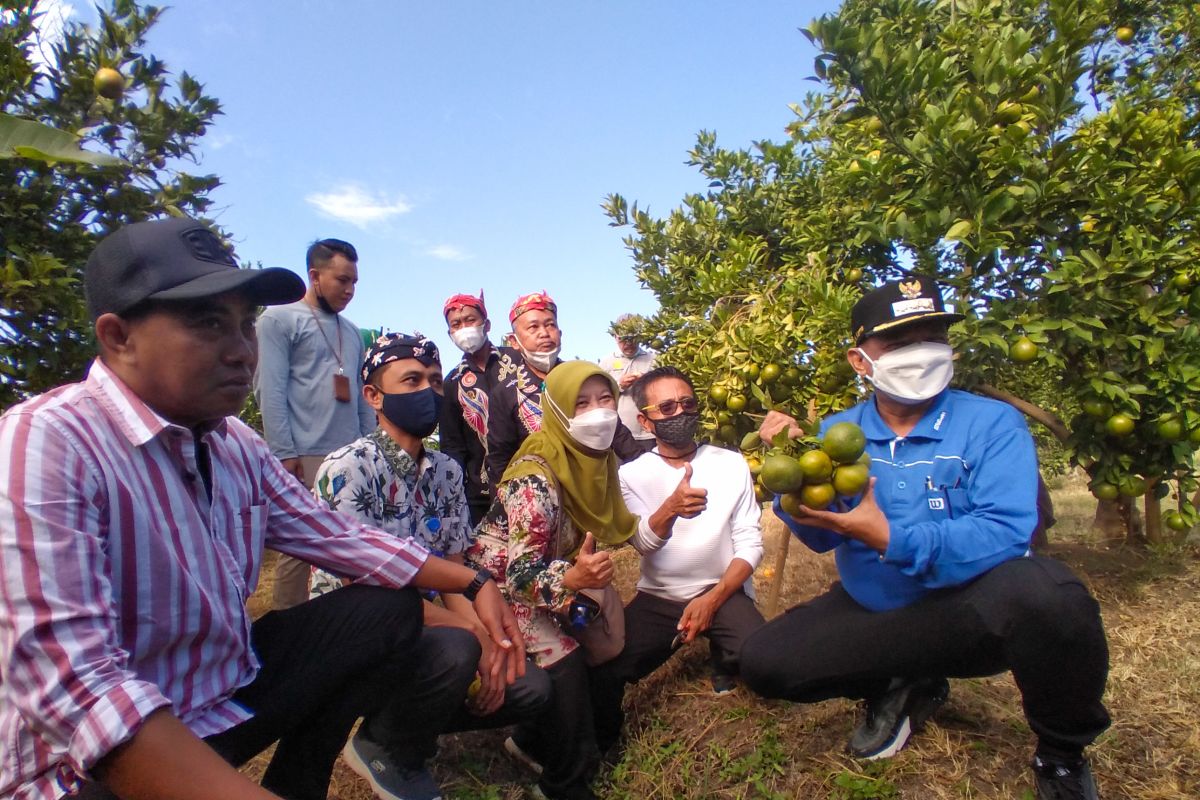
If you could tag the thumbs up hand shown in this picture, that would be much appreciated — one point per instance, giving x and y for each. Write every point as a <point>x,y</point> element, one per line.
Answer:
<point>591,570</point>
<point>687,501</point>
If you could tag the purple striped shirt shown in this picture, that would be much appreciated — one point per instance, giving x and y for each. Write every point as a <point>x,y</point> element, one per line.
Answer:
<point>123,588</point>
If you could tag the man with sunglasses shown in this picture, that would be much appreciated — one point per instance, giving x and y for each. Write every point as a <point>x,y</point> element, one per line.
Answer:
<point>700,542</point>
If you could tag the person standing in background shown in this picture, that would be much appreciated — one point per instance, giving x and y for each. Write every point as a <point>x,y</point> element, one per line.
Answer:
<point>464,424</point>
<point>625,364</point>
<point>307,383</point>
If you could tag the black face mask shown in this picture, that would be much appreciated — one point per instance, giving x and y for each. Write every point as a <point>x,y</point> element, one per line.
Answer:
<point>415,413</point>
<point>324,304</point>
<point>679,430</point>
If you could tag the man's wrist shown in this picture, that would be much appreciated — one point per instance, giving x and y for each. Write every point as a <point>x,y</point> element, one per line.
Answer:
<point>481,577</point>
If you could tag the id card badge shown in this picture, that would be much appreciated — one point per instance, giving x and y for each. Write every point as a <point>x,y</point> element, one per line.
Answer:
<point>341,388</point>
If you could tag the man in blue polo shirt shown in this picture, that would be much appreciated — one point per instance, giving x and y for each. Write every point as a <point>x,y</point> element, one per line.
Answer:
<point>937,579</point>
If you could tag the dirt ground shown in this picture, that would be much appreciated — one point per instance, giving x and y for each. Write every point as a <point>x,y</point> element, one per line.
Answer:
<point>686,742</point>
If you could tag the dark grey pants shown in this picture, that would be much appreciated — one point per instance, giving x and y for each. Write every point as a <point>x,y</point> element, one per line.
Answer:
<point>431,700</point>
<point>649,629</point>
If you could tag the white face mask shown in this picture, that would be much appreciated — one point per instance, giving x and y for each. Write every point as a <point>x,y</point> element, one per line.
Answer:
<point>469,339</point>
<point>914,373</point>
<point>542,362</point>
<point>594,428</point>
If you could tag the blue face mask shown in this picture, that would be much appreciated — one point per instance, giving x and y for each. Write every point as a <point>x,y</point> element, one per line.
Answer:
<point>415,413</point>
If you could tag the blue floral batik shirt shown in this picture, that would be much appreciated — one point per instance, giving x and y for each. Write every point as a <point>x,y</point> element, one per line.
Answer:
<point>375,481</point>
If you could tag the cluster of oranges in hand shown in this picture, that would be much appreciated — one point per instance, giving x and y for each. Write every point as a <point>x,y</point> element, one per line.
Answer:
<point>809,471</point>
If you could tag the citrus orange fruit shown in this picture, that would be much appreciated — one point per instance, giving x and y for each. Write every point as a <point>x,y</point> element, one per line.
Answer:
<point>1175,521</point>
<point>791,504</point>
<point>718,394</point>
<point>1119,425</point>
<point>761,494</point>
<point>1124,34</point>
<point>1102,490</point>
<point>844,442</point>
<point>849,480</point>
<point>109,83</point>
<point>1023,350</point>
<point>770,373</point>
<point>727,433</point>
<point>1170,429</point>
<point>818,495</point>
<point>816,466</point>
<point>1095,407</point>
<point>736,403</point>
<point>754,463</point>
<point>781,473</point>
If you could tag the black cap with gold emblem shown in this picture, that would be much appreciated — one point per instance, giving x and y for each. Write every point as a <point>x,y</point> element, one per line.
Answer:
<point>897,304</point>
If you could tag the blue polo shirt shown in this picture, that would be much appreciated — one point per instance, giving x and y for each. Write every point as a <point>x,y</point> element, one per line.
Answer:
<point>959,493</point>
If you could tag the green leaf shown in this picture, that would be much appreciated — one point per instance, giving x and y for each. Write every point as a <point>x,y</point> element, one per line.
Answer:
<point>25,138</point>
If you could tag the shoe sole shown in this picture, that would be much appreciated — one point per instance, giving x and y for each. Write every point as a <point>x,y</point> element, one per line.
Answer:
<point>363,770</point>
<point>514,750</point>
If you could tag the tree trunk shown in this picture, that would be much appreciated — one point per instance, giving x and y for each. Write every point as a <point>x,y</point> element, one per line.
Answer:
<point>1118,521</point>
<point>1154,532</point>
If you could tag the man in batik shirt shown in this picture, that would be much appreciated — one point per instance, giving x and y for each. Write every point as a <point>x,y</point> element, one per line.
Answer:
<point>463,429</point>
<point>391,481</point>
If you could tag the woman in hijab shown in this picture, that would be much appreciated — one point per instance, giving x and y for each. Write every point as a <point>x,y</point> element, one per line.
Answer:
<point>557,498</point>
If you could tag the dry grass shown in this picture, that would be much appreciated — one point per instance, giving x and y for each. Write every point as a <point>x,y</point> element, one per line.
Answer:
<point>685,742</point>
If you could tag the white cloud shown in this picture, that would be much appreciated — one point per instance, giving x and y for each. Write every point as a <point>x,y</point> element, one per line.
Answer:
<point>447,252</point>
<point>218,140</point>
<point>354,204</point>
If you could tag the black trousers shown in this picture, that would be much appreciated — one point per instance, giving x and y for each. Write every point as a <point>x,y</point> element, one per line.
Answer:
<point>562,737</point>
<point>1029,615</point>
<point>430,700</point>
<point>649,629</point>
<point>325,663</point>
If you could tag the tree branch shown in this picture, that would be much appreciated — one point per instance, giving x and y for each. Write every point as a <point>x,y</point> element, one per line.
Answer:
<point>1036,413</point>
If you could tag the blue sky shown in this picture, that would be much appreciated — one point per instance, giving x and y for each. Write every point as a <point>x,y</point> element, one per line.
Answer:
<point>462,145</point>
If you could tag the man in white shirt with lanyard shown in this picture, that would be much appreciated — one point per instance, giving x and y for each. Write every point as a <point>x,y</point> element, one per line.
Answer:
<point>700,542</point>
<point>626,364</point>
<point>307,384</point>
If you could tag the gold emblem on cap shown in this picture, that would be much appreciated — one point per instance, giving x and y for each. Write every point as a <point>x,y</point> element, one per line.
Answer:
<point>910,289</point>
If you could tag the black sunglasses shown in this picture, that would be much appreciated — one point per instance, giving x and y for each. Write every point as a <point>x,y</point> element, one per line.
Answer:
<point>668,408</point>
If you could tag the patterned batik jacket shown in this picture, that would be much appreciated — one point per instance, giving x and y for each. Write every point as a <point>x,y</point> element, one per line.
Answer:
<point>523,541</point>
<point>376,482</point>
<point>463,430</point>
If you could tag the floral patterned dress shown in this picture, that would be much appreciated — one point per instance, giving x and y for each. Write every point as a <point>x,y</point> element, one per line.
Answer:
<point>525,540</point>
<point>375,481</point>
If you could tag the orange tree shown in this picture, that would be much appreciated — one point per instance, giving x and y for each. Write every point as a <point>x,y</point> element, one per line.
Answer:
<point>100,84</point>
<point>1017,150</point>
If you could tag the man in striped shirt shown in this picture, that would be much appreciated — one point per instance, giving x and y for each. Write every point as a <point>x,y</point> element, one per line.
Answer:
<point>134,509</point>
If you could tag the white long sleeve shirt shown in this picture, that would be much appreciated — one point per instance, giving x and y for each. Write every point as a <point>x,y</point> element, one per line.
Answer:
<point>699,550</point>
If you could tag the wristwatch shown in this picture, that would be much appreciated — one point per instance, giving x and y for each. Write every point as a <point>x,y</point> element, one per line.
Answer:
<point>481,577</point>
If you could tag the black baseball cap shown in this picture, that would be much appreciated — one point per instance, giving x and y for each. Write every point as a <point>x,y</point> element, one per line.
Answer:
<point>175,259</point>
<point>899,303</point>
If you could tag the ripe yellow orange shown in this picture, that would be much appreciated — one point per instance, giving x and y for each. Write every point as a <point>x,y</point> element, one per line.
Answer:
<point>1125,34</point>
<point>109,83</point>
<point>818,495</point>
<point>816,465</point>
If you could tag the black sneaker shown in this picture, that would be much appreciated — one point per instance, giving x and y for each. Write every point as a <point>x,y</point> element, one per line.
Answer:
<point>1062,781</point>
<point>895,716</point>
<point>723,683</point>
